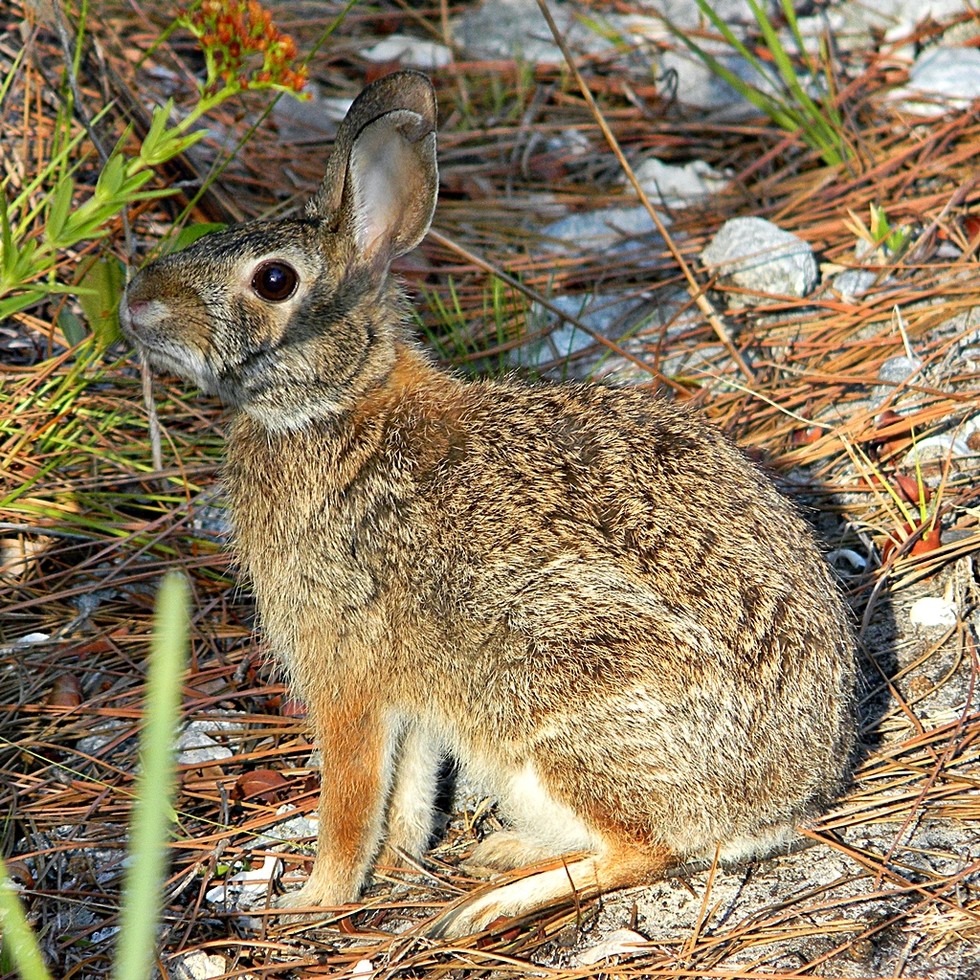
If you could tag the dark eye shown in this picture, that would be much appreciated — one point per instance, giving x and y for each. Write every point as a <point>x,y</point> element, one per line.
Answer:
<point>275,280</point>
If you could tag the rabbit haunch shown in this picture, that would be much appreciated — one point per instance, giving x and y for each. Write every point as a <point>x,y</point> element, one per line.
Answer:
<point>583,594</point>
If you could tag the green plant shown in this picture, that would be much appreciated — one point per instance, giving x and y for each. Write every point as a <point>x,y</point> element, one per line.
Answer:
<point>242,49</point>
<point>152,816</point>
<point>790,106</point>
<point>880,238</point>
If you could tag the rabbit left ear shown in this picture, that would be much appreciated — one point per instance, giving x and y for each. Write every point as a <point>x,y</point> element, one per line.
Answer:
<point>409,91</point>
<point>391,185</point>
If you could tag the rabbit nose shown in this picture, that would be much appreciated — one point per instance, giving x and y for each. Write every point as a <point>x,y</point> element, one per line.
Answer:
<point>134,309</point>
<point>137,314</point>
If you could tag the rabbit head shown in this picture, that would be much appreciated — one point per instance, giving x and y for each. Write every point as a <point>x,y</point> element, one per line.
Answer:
<point>291,320</point>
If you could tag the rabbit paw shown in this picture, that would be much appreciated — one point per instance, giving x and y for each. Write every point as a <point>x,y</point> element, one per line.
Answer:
<point>470,915</point>
<point>308,902</point>
<point>506,851</point>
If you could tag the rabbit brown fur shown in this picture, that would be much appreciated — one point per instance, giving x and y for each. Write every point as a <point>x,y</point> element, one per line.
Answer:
<point>584,594</point>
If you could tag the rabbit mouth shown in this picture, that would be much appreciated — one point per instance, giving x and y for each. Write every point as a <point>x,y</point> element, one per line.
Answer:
<point>169,359</point>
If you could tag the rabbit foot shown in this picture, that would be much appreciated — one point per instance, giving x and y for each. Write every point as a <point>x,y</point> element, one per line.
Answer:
<point>309,903</point>
<point>505,851</point>
<point>514,898</point>
<point>571,878</point>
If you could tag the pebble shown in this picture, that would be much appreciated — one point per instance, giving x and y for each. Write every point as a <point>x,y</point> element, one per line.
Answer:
<point>621,942</point>
<point>242,889</point>
<point>940,449</point>
<point>756,255</point>
<point>932,611</point>
<point>675,186</point>
<point>606,229</point>
<point>195,747</point>
<point>197,965</point>
<point>942,80</point>
<point>406,50</point>
<point>854,283</point>
<point>898,369</point>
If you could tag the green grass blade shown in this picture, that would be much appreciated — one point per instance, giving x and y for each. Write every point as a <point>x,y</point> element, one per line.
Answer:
<point>153,816</point>
<point>732,39</point>
<point>18,946</point>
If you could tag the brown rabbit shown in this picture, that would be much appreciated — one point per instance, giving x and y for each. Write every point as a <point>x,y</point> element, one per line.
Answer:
<point>583,594</point>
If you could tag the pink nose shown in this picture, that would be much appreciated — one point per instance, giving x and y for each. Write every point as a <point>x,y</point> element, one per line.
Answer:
<point>135,308</point>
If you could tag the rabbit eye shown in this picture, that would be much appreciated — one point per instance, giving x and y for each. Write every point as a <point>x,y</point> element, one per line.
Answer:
<point>275,281</point>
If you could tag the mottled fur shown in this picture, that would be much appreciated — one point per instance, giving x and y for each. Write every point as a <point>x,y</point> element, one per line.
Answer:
<point>583,594</point>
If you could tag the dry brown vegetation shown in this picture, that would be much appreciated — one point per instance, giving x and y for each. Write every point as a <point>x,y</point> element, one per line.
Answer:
<point>87,525</point>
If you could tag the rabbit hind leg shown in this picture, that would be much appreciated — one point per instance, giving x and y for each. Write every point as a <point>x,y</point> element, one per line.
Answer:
<point>411,809</point>
<point>543,827</point>
<point>617,864</point>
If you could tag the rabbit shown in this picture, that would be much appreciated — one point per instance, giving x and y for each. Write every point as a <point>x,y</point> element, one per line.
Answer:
<point>583,595</point>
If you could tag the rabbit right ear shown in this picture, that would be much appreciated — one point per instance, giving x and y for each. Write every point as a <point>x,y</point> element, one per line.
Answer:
<point>382,179</point>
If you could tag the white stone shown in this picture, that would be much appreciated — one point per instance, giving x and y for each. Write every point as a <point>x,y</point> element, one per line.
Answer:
<point>897,369</point>
<point>676,186</point>
<point>759,256</point>
<point>936,449</point>
<point>611,317</point>
<point>857,562</point>
<point>852,283</point>
<point>605,229</point>
<point>196,747</point>
<point>246,887</point>
<point>409,51</point>
<point>197,965</point>
<point>932,611</point>
<point>942,80</point>
<point>622,942</point>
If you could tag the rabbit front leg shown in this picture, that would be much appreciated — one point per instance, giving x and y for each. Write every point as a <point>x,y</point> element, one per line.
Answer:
<point>411,810</point>
<point>357,747</point>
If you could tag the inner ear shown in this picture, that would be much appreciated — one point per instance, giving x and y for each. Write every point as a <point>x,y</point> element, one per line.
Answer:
<point>391,185</point>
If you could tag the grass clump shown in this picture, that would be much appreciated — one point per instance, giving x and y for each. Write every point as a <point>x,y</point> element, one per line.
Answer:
<point>790,106</point>
<point>49,215</point>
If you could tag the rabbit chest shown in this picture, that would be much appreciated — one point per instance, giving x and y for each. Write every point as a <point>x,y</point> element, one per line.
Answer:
<point>317,533</point>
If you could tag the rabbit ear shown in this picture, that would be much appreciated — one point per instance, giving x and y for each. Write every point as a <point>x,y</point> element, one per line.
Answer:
<point>407,91</point>
<point>390,187</point>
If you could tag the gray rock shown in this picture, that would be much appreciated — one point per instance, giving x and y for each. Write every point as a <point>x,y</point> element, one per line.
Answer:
<point>854,283</point>
<point>607,229</point>
<point>942,80</point>
<point>407,50</point>
<point>677,186</point>
<point>197,965</point>
<point>196,747</point>
<point>756,255</point>
<point>516,29</point>
<point>614,318</point>
<point>695,84</point>
<point>898,369</point>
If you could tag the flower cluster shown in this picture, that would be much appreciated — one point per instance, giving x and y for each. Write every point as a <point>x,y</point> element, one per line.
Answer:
<point>235,35</point>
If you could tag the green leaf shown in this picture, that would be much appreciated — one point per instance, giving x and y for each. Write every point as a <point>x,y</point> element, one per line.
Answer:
<point>191,233</point>
<point>101,283</point>
<point>73,327</point>
<point>59,208</point>
<point>18,946</point>
<point>110,179</point>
